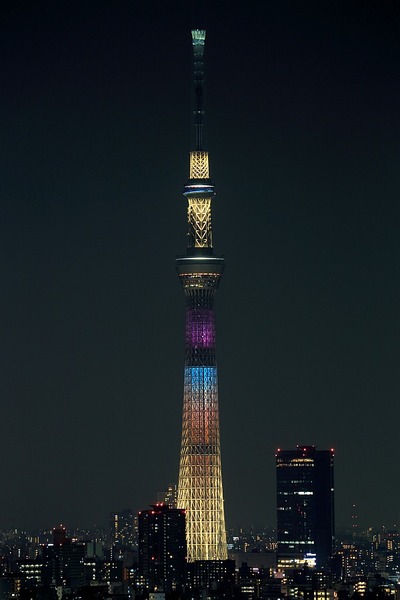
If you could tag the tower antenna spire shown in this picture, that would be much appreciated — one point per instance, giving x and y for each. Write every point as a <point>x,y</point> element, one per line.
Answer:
<point>198,42</point>
<point>199,189</point>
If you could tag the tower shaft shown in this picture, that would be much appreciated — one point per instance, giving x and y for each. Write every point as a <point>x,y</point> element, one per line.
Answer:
<point>200,490</point>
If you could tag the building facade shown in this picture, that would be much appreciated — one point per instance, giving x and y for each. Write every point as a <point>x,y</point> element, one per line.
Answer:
<point>305,507</point>
<point>122,528</point>
<point>162,548</point>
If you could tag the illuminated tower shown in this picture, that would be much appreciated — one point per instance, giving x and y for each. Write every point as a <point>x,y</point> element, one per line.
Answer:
<point>200,478</point>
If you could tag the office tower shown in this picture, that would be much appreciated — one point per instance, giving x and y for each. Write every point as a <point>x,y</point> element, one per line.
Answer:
<point>305,507</point>
<point>122,532</point>
<point>63,561</point>
<point>169,496</point>
<point>200,479</point>
<point>162,547</point>
<point>59,535</point>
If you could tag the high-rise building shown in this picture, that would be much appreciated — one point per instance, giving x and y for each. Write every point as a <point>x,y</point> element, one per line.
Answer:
<point>169,496</point>
<point>305,507</point>
<point>162,547</point>
<point>200,490</point>
<point>122,530</point>
<point>63,560</point>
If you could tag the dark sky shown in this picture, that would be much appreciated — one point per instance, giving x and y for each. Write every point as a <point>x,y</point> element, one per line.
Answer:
<point>304,136</point>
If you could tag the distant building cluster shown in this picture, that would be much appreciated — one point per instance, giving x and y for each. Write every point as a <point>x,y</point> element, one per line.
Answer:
<point>144,555</point>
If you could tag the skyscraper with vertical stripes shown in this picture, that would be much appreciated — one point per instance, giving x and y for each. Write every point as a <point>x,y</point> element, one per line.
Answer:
<point>200,490</point>
<point>305,507</point>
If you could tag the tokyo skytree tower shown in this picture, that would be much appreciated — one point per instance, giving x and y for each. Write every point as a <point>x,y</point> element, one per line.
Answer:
<point>200,490</point>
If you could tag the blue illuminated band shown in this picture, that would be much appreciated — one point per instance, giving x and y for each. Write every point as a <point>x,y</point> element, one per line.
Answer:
<point>201,381</point>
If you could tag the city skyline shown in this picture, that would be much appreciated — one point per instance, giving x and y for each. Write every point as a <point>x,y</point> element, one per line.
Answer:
<point>304,135</point>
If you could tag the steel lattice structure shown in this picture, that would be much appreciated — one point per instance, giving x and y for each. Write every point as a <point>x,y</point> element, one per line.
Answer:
<point>200,490</point>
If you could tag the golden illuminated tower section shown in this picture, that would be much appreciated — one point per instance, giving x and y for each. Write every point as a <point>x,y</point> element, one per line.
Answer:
<point>200,490</point>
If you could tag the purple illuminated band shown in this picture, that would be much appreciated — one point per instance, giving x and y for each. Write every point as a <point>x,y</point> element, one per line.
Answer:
<point>200,328</point>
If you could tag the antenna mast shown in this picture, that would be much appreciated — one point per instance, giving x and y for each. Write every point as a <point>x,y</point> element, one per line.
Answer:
<point>198,41</point>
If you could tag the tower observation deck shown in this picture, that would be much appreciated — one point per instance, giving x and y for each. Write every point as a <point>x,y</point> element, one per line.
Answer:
<point>200,490</point>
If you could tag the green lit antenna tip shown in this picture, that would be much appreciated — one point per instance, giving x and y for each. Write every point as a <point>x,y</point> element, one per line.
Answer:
<point>198,35</point>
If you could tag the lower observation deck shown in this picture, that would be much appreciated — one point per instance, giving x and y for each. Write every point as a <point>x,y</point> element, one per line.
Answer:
<point>200,264</point>
<point>200,271</point>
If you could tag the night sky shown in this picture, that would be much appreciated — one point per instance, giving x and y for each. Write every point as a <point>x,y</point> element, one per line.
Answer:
<point>303,104</point>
